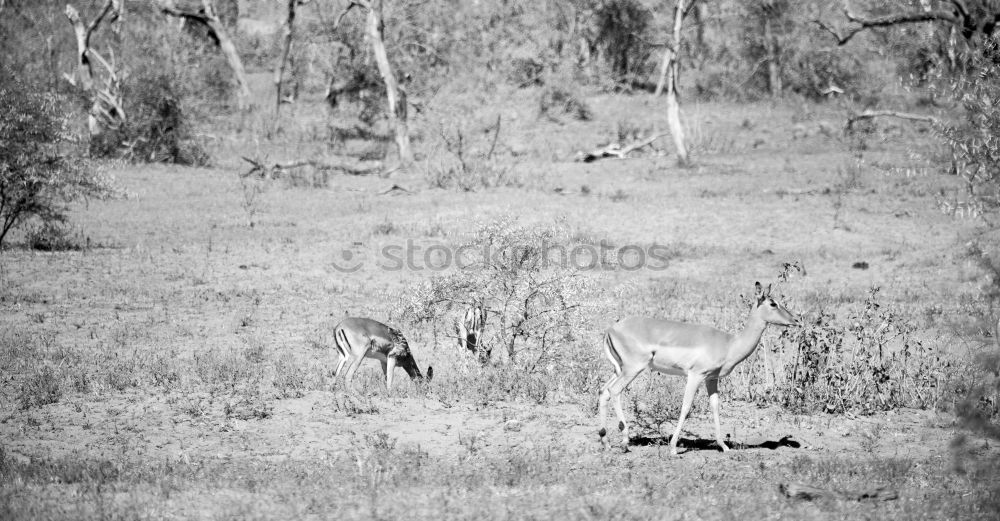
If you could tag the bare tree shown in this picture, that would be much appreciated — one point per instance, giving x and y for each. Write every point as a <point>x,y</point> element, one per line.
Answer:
<point>669,71</point>
<point>288,31</point>
<point>975,20</point>
<point>106,100</point>
<point>396,97</point>
<point>206,15</point>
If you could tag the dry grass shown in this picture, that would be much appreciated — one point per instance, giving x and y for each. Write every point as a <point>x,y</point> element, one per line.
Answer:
<point>183,369</point>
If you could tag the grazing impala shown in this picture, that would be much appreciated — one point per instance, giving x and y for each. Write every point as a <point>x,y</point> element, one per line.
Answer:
<point>357,338</point>
<point>703,353</point>
<point>470,329</point>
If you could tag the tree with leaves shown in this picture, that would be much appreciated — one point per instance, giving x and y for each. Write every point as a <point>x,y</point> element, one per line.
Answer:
<point>39,173</point>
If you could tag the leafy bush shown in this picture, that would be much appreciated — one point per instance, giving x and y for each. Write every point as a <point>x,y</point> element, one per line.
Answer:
<point>40,173</point>
<point>975,140</point>
<point>876,364</point>
<point>533,304</point>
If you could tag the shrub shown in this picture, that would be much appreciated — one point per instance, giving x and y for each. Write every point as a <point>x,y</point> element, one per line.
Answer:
<point>465,147</point>
<point>157,128</point>
<point>874,364</point>
<point>557,100</point>
<point>974,141</point>
<point>621,28</point>
<point>39,388</point>
<point>52,236</point>
<point>40,173</point>
<point>533,304</point>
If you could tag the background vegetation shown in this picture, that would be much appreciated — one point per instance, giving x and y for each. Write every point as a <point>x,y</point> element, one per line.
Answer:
<point>170,345</point>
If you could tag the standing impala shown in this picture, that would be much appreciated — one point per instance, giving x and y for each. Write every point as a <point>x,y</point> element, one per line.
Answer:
<point>703,353</point>
<point>357,338</point>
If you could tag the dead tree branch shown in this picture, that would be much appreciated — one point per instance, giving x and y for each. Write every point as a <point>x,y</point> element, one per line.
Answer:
<point>957,16</point>
<point>871,114</point>
<point>206,15</point>
<point>260,168</point>
<point>619,151</point>
<point>106,103</point>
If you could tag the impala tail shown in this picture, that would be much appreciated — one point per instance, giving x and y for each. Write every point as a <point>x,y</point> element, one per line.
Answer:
<point>612,353</point>
<point>341,342</point>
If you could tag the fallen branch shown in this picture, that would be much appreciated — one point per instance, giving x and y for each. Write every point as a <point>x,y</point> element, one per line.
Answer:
<point>275,170</point>
<point>870,114</point>
<point>395,190</point>
<point>809,493</point>
<point>616,150</point>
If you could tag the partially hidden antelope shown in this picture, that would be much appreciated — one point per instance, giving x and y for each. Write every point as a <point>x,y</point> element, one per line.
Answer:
<point>703,353</point>
<point>360,338</point>
<point>470,329</point>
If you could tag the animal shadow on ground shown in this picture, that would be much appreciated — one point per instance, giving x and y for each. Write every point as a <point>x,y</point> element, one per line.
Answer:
<point>689,444</point>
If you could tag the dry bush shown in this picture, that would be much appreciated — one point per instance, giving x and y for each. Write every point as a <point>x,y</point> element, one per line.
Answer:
<point>540,329</point>
<point>464,147</point>
<point>564,99</point>
<point>870,361</point>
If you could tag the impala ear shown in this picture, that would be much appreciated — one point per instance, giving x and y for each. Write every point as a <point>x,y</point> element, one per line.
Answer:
<point>759,295</point>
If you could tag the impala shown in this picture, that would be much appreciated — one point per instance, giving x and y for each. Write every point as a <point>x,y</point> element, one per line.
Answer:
<point>703,353</point>
<point>357,338</point>
<point>470,329</point>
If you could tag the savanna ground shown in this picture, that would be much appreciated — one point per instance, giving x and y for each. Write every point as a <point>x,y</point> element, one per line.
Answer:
<point>179,364</point>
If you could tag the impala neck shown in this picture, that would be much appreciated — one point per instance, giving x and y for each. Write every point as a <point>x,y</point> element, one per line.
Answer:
<point>745,342</point>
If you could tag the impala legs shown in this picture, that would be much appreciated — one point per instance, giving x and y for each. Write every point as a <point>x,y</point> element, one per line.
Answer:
<point>614,389</point>
<point>712,386</point>
<point>388,366</point>
<point>694,380</point>
<point>352,367</point>
<point>602,408</point>
<point>343,361</point>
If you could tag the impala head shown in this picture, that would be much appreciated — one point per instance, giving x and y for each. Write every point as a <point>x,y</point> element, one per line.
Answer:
<point>771,311</point>
<point>406,361</point>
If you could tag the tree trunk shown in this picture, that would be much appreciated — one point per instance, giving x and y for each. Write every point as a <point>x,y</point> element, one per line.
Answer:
<point>85,70</point>
<point>288,31</point>
<point>397,101</point>
<point>669,72</point>
<point>773,68</point>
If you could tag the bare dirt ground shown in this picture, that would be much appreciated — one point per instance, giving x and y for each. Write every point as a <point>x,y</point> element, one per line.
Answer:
<point>191,351</point>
